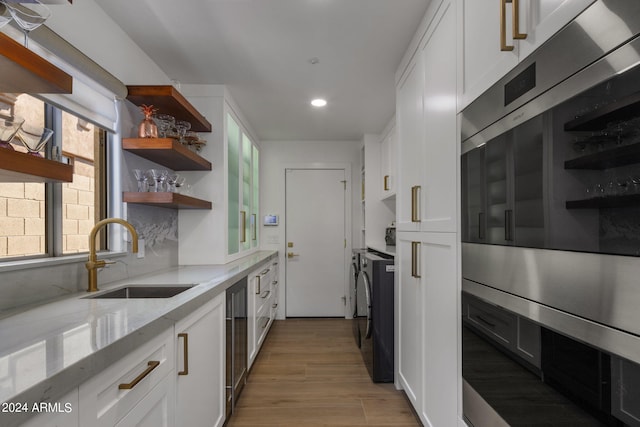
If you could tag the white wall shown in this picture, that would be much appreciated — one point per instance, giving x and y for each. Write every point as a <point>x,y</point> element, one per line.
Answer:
<point>275,156</point>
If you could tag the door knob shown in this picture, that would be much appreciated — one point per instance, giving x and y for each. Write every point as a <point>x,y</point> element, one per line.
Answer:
<point>291,255</point>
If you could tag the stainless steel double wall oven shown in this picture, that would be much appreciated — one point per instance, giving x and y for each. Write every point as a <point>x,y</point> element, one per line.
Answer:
<point>551,231</point>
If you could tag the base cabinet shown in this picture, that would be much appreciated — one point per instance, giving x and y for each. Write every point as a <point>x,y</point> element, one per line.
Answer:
<point>200,366</point>
<point>140,386</point>
<point>262,305</point>
<point>428,324</point>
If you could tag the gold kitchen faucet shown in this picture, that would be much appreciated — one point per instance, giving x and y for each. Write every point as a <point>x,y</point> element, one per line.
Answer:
<point>94,264</point>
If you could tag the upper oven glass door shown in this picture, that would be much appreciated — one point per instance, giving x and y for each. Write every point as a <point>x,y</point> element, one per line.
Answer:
<point>564,177</point>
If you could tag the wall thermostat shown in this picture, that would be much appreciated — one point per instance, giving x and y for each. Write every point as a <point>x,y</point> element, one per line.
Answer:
<point>271,220</point>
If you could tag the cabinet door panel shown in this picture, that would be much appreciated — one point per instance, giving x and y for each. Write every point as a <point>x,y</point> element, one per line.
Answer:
<point>441,327</point>
<point>410,127</point>
<point>483,61</point>
<point>233,177</point>
<point>156,409</point>
<point>410,319</point>
<point>200,392</point>
<point>438,210</point>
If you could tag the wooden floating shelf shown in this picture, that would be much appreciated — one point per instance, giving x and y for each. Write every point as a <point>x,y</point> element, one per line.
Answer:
<point>169,101</point>
<point>166,152</point>
<point>16,166</point>
<point>25,72</point>
<point>166,200</point>
<point>622,109</point>
<point>605,202</point>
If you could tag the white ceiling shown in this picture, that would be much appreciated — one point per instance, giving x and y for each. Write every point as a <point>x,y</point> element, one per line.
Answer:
<point>261,50</point>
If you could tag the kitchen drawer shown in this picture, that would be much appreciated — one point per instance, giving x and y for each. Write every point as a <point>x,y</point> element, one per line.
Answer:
<point>498,324</point>
<point>263,321</point>
<point>104,403</point>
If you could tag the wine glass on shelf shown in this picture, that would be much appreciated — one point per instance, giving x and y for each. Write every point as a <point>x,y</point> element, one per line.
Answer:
<point>158,176</point>
<point>172,178</point>
<point>9,126</point>
<point>5,15</point>
<point>34,138</point>
<point>180,182</point>
<point>28,16</point>
<point>182,127</point>
<point>141,177</point>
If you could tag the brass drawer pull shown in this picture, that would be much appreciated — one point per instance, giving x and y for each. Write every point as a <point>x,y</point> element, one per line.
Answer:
<point>265,294</point>
<point>503,27</point>
<point>185,352</point>
<point>243,215</point>
<point>517,35</point>
<point>151,365</point>
<point>415,217</point>
<point>415,259</point>
<point>386,183</point>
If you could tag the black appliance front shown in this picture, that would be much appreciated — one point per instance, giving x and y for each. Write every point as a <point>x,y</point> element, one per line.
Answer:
<point>550,205</point>
<point>375,315</point>
<point>236,343</point>
<point>356,262</point>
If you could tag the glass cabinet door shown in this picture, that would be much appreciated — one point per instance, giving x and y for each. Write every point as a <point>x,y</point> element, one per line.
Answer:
<point>255,211</point>
<point>233,177</point>
<point>245,214</point>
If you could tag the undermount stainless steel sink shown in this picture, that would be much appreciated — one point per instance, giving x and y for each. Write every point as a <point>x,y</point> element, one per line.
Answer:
<point>143,291</point>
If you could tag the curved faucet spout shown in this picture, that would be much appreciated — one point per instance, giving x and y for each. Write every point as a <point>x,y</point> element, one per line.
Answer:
<point>93,264</point>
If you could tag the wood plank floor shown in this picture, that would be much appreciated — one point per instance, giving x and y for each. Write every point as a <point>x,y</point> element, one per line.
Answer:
<point>310,373</point>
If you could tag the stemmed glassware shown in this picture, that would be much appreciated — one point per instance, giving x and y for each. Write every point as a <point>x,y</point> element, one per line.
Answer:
<point>28,16</point>
<point>5,15</point>
<point>158,177</point>
<point>34,138</point>
<point>172,178</point>
<point>180,182</point>
<point>141,177</point>
<point>182,127</point>
<point>9,126</point>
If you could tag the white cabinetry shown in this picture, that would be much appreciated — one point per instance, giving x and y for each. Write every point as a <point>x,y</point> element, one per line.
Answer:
<point>427,239</point>
<point>485,59</point>
<point>66,417</point>
<point>428,324</point>
<point>139,387</point>
<point>262,296</point>
<point>427,132</point>
<point>200,366</point>
<point>388,161</point>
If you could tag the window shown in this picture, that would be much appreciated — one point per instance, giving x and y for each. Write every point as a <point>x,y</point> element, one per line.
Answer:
<point>38,220</point>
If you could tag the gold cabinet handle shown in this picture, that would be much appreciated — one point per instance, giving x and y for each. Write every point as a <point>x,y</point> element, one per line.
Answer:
<point>258,286</point>
<point>151,365</point>
<point>255,226</point>
<point>503,27</point>
<point>291,255</point>
<point>185,352</point>
<point>517,35</point>
<point>243,214</point>
<point>386,183</point>
<point>415,246</point>
<point>415,217</point>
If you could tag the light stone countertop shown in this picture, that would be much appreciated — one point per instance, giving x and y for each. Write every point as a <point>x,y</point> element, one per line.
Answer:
<point>48,350</point>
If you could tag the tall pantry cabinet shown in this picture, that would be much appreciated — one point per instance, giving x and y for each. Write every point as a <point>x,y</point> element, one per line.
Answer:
<point>427,243</point>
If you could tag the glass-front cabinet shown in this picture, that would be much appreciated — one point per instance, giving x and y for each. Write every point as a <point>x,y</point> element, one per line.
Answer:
<point>243,168</point>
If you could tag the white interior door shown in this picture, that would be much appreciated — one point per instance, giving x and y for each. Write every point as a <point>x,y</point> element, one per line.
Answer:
<point>315,229</point>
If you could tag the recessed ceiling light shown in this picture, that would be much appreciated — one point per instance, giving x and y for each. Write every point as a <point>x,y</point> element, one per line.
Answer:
<point>319,102</point>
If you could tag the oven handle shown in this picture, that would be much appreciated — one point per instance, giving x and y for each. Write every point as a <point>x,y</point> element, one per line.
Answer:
<point>508,225</point>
